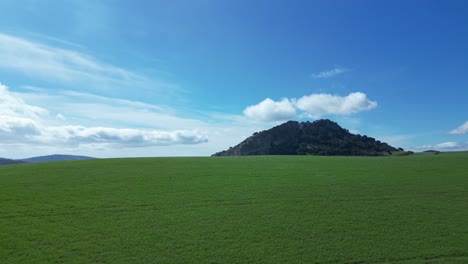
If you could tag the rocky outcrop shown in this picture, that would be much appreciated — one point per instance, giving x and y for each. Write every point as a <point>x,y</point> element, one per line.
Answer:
<point>321,137</point>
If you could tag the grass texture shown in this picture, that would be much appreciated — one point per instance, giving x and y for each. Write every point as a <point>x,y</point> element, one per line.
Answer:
<point>262,209</point>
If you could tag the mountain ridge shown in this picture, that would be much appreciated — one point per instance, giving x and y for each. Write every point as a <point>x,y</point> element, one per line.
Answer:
<point>4,161</point>
<point>39,159</point>
<point>320,137</point>
<point>55,157</point>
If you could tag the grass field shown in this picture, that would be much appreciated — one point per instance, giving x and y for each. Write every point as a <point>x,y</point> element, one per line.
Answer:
<point>283,209</point>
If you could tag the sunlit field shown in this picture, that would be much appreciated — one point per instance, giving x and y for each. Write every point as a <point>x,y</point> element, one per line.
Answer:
<point>263,209</point>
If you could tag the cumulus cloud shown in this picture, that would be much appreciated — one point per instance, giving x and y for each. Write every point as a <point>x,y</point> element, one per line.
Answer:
<point>329,73</point>
<point>317,105</point>
<point>314,105</point>
<point>24,123</point>
<point>269,110</point>
<point>463,129</point>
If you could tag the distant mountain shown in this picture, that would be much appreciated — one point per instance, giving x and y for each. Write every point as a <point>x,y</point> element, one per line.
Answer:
<point>4,161</point>
<point>55,157</point>
<point>321,137</point>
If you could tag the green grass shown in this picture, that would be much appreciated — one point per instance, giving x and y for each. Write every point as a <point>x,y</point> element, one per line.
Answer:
<point>283,209</point>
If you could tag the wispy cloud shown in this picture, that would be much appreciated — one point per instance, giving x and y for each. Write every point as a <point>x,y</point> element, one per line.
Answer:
<point>66,66</point>
<point>463,129</point>
<point>314,106</point>
<point>94,110</point>
<point>13,106</point>
<point>329,73</point>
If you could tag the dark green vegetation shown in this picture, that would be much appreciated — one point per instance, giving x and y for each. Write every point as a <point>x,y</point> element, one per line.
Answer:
<point>321,137</point>
<point>262,209</point>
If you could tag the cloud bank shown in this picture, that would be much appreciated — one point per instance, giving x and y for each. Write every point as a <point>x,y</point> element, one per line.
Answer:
<point>446,146</point>
<point>463,129</point>
<point>24,130</point>
<point>24,123</point>
<point>314,105</point>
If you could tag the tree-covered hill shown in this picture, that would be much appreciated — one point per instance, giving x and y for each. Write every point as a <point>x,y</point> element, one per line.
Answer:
<point>321,137</point>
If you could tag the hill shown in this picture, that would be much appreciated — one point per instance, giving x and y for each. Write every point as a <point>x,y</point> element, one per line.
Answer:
<point>55,157</point>
<point>4,161</point>
<point>321,137</point>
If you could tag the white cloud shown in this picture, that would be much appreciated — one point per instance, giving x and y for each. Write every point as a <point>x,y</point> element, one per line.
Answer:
<point>328,74</point>
<point>317,105</point>
<point>314,105</point>
<point>463,129</point>
<point>269,110</point>
<point>24,123</point>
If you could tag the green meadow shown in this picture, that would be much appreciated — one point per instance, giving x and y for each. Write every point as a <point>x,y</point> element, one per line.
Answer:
<point>261,209</point>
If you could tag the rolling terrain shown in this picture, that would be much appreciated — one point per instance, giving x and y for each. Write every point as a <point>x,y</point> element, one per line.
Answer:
<point>259,209</point>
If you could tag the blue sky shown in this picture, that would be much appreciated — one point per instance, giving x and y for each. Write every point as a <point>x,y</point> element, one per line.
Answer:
<point>188,78</point>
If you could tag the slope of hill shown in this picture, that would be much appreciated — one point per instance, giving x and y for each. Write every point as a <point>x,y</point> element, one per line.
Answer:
<point>321,137</point>
<point>55,157</point>
<point>4,161</point>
